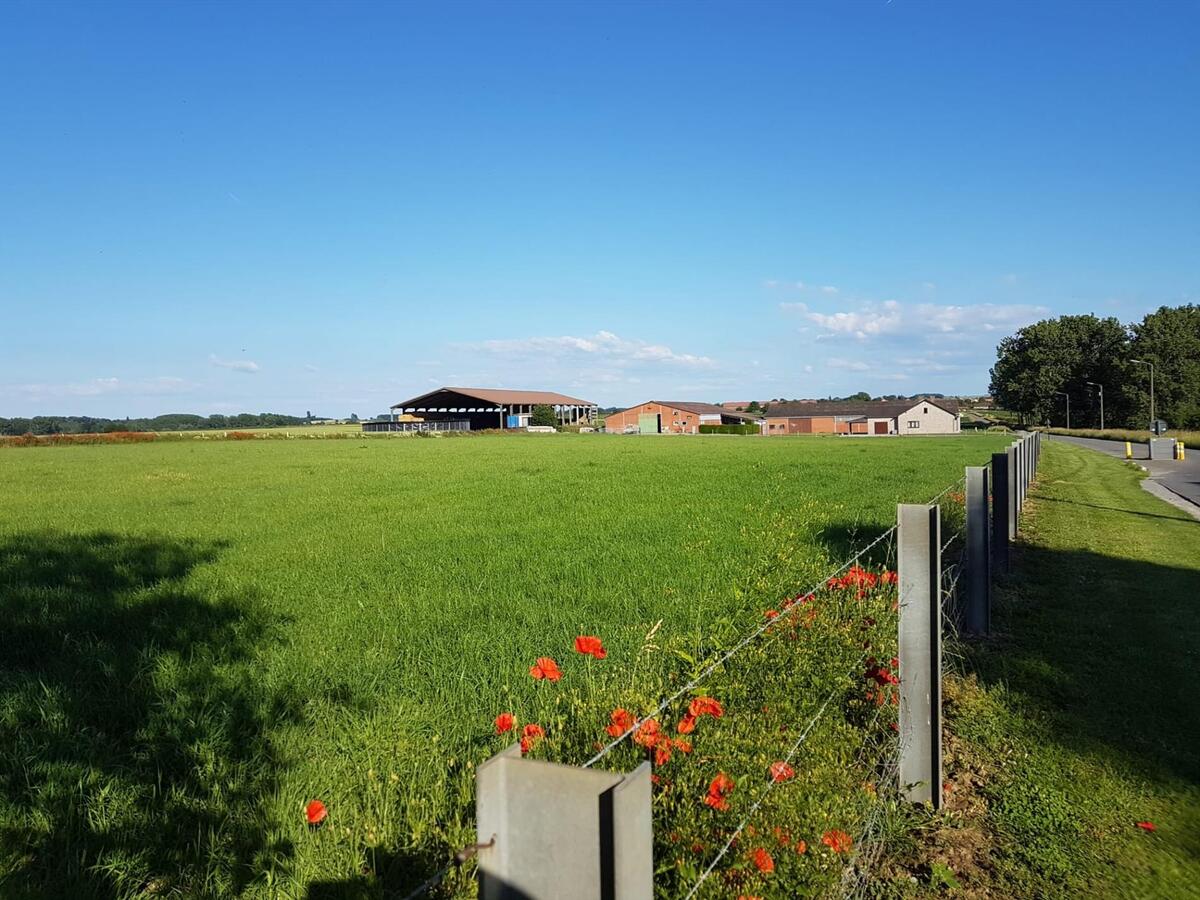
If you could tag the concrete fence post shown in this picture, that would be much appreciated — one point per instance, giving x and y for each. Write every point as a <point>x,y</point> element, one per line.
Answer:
<point>919,566</point>
<point>978,617</point>
<point>1000,512</point>
<point>562,831</point>
<point>1010,498</point>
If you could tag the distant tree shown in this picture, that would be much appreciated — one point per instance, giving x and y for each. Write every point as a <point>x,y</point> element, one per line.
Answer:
<point>353,417</point>
<point>1170,339</point>
<point>861,396</point>
<point>544,414</point>
<point>1063,354</point>
<point>754,407</point>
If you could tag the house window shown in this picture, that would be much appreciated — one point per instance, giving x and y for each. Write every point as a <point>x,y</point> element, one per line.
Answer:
<point>925,410</point>
<point>914,423</point>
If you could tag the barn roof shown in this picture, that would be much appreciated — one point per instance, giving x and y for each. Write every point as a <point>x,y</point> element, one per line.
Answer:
<point>497,396</point>
<point>700,409</point>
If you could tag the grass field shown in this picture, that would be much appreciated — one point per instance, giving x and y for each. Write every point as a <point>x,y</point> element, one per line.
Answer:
<point>202,636</point>
<point>1081,718</point>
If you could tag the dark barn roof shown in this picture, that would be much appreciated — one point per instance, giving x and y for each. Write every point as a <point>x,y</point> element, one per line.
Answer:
<point>454,396</point>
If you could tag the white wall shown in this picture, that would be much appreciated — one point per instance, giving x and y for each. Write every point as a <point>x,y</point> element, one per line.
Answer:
<point>926,418</point>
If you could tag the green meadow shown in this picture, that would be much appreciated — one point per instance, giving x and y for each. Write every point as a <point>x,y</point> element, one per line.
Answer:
<point>202,636</point>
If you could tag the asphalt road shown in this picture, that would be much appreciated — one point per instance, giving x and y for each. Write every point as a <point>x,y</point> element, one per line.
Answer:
<point>1181,477</point>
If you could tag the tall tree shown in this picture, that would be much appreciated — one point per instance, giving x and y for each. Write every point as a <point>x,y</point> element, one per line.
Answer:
<point>1062,355</point>
<point>1170,339</point>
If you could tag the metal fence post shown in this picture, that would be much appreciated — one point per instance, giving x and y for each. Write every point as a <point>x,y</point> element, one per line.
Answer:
<point>1000,511</point>
<point>563,831</point>
<point>920,569</point>
<point>978,616</point>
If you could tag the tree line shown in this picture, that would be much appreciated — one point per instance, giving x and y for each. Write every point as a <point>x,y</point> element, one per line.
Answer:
<point>169,422</point>
<point>1086,356</point>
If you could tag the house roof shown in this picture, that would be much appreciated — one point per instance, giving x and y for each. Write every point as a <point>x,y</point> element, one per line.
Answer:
<point>878,409</point>
<point>497,396</point>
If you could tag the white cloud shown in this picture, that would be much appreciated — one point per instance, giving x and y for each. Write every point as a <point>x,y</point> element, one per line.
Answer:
<point>237,365</point>
<point>870,319</point>
<point>828,289</point>
<point>604,345</point>
<point>99,387</point>
<point>852,365</point>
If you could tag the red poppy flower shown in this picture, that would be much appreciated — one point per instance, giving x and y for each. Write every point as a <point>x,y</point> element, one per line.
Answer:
<point>505,722</point>
<point>648,733</point>
<point>531,734</point>
<point>772,614</point>
<point>315,812</point>
<point>1145,826</point>
<point>781,771</point>
<point>763,861</point>
<point>687,724</point>
<point>705,706</point>
<point>890,577</point>
<point>801,847</point>
<point>590,645</point>
<point>545,668</point>
<point>837,841</point>
<point>683,746</point>
<point>718,789</point>
<point>621,721</point>
<point>662,753</point>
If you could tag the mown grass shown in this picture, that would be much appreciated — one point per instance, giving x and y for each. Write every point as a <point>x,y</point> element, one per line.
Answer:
<point>1080,718</point>
<point>209,634</point>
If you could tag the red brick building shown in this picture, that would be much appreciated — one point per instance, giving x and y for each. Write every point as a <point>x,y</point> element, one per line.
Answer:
<point>673,417</point>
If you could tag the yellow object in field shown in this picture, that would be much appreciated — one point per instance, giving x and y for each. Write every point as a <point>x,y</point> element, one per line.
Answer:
<point>1180,448</point>
<point>1128,450</point>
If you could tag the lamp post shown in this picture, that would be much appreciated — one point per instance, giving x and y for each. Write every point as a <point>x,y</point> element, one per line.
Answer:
<point>1068,396</point>
<point>1100,389</point>
<point>1142,362</point>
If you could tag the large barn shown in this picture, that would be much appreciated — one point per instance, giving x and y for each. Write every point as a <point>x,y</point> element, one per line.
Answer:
<point>472,409</point>
<point>928,415</point>
<point>673,417</point>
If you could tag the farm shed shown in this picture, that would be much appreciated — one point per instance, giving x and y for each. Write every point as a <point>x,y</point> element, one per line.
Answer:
<point>928,415</point>
<point>493,407</point>
<point>673,417</point>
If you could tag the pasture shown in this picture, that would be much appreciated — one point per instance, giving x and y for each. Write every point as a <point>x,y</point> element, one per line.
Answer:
<point>203,636</point>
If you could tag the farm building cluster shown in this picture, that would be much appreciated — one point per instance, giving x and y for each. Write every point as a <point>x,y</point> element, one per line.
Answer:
<point>474,409</point>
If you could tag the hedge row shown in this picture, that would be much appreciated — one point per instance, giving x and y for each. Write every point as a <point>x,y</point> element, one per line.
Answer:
<point>730,429</point>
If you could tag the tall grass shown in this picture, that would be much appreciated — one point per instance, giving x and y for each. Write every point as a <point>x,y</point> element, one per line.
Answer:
<point>1190,438</point>
<point>215,633</point>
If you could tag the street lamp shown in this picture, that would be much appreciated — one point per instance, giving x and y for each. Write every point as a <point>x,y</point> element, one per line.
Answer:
<point>1142,362</point>
<point>1100,389</point>
<point>1068,396</point>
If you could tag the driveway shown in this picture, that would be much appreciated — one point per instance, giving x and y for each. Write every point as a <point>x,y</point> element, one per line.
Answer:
<point>1180,477</point>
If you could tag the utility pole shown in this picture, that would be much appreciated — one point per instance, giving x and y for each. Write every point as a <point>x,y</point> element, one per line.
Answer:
<point>1068,396</point>
<point>1142,362</point>
<point>1100,389</point>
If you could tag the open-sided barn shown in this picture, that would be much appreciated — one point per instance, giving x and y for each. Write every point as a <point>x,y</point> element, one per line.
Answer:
<point>463,409</point>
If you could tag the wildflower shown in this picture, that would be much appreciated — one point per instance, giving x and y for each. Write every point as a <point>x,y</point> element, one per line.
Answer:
<point>890,577</point>
<point>801,847</point>
<point>545,668</point>
<point>1145,826</point>
<point>505,722</point>
<point>782,836</point>
<point>662,752</point>
<point>687,724</point>
<point>531,734</point>
<point>648,733</point>
<point>772,614</point>
<point>682,745</point>
<point>621,720</point>
<point>763,861</point>
<point>718,789</point>
<point>837,841</point>
<point>590,645</point>
<point>315,812</point>
<point>705,706</point>
<point>781,771</point>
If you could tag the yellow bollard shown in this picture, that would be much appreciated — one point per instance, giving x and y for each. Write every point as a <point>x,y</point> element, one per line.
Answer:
<point>1128,450</point>
<point>1180,449</point>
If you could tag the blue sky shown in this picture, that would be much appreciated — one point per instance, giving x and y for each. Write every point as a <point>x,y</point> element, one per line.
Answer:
<point>221,207</point>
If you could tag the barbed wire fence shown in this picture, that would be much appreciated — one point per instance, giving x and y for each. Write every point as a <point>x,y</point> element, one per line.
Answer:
<point>878,753</point>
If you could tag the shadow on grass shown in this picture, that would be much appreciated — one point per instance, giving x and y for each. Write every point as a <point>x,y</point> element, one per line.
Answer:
<point>1103,650</point>
<point>134,749</point>
<point>1128,512</point>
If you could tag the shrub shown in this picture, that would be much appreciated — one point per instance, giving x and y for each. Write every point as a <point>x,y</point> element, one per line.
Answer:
<point>730,429</point>
<point>241,436</point>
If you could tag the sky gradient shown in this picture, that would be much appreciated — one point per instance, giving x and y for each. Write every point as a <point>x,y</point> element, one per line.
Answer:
<point>333,207</point>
